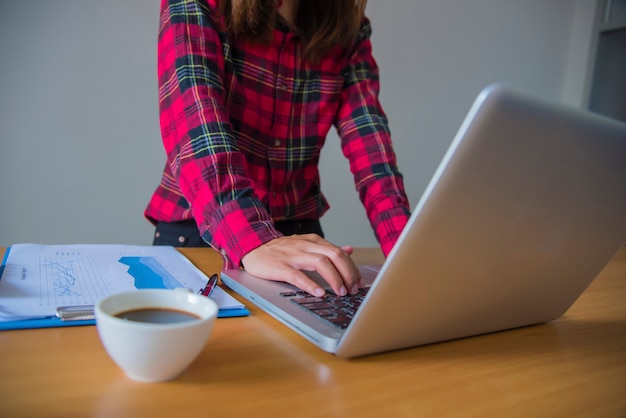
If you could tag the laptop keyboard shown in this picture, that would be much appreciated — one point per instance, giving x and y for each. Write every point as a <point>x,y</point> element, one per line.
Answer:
<point>336,310</point>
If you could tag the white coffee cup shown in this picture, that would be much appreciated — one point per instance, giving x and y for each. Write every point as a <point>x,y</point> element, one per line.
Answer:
<point>154,352</point>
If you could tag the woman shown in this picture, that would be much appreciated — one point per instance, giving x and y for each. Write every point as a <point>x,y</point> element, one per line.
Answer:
<point>248,90</point>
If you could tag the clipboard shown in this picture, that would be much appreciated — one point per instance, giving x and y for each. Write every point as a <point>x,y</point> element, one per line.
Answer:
<point>147,266</point>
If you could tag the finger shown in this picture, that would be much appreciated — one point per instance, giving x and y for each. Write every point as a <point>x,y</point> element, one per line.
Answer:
<point>314,261</point>
<point>348,249</point>
<point>343,264</point>
<point>298,279</point>
<point>340,257</point>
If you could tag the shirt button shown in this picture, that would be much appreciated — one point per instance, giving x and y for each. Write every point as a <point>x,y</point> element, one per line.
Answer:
<point>181,239</point>
<point>277,142</point>
<point>157,235</point>
<point>273,194</point>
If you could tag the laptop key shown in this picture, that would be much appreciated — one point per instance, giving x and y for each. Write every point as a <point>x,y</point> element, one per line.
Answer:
<point>337,310</point>
<point>308,300</point>
<point>316,306</point>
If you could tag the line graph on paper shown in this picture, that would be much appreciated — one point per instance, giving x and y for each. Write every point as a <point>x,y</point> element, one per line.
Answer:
<point>69,278</point>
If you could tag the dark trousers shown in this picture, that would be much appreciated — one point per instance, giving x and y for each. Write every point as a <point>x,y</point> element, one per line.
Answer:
<point>186,234</point>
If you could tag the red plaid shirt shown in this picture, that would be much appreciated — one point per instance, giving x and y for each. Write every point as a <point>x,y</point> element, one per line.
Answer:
<point>243,126</point>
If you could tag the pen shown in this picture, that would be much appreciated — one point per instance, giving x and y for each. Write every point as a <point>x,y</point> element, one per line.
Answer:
<point>210,286</point>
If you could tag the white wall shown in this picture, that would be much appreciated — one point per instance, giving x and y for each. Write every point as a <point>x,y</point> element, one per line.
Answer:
<point>79,137</point>
<point>80,151</point>
<point>435,56</point>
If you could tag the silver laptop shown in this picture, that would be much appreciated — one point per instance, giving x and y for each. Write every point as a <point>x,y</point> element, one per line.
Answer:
<point>525,209</point>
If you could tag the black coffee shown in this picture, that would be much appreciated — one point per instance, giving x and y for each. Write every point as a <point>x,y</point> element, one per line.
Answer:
<point>157,316</point>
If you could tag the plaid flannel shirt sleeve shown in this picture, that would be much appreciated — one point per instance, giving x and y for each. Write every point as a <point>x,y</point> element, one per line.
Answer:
<point>201,149</point>
<point>366,142</point>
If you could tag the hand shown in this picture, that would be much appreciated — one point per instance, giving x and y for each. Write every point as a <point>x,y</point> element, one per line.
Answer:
<point>285,258</point>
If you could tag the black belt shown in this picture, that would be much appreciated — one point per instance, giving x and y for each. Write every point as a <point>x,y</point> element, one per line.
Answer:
<point>186,233</point>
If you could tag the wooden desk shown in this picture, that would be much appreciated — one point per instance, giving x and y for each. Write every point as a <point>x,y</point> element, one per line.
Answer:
<point>254,366</point>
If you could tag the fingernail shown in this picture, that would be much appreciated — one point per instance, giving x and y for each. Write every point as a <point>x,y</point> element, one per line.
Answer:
<point>343,291</point>
<point>355,289</point>
<point>319,292</point>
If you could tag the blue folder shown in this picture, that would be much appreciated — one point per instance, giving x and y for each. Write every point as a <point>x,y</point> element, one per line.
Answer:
<point>53,322</point>
<point>147,275</point>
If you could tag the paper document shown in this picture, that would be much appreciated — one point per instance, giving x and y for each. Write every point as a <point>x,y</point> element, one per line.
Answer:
<point>36,279</point>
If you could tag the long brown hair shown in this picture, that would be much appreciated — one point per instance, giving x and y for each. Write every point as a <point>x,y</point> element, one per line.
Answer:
<point>321,24</point>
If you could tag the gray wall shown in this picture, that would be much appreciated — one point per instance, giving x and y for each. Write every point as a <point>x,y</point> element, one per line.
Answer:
<point>80,150</point>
